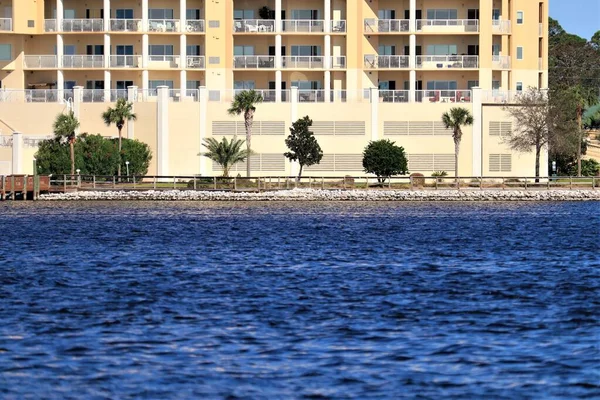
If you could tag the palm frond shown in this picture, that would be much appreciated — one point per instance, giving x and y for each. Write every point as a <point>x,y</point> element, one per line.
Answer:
<point>226,153</point>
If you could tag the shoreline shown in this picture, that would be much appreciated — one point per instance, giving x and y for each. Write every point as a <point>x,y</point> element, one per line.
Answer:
<point>331,195</point>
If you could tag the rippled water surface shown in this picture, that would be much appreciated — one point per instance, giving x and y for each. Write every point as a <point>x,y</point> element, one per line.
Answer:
<point>311,300</point>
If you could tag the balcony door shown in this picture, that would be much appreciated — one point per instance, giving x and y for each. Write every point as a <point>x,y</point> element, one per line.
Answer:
<point>123,85</point>
<point>125,54</point>
<point>473,13</point>
<point>124,13</point>
<point>419,14</point>
<point>95,50</point>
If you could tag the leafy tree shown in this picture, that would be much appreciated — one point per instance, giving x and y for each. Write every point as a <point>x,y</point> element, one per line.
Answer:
<point>122,112</point>
<point>225,153</point>
<point>303,145</point>
<point>583,98</point>
<point>100,155</point>
<point>455,119</point>
<point>138,154</point>
<point>384,159</point>
<point>245,102</point>
<point>64,127</point>
<point>52,157</point>
<point>596,40</point>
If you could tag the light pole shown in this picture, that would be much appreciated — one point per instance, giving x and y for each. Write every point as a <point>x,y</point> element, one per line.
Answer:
<point>78,177</point>
<point>127,165</point>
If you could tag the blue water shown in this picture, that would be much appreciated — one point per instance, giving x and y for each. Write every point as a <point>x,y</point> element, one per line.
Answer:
<point>312,300</point>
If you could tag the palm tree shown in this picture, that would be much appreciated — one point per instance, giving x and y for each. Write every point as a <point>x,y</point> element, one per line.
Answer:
<point>455,119</point>
<point>225,153</point>
<point>64,127</point>
<point>118,115</point>
<point>245,102</point>
<point>583,98</point>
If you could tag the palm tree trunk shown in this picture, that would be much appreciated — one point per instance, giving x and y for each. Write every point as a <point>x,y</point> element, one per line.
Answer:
<point>248,118</point>
<point>120,146</point>
<point>579,139</point>
<point>72,147</point>
<point>456,152</point>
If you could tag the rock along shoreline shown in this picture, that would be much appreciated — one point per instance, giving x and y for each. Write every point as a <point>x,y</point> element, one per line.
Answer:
<point>331,195</point>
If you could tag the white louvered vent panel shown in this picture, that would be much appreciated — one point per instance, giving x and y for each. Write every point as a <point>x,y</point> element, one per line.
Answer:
<point>494,128</point>
<point>494,162</point>
<point>439,129</point>
<point>254,164</point>
<point>505,162</point>
<point>443,162</point>
<point>326,165</point>
<point>421,128</point>
<point>223,128</point>
<point>272,128</point>
<point>348,162</point>
<point>349,127</point>
<point>241,128</point>
<point>323,127</point>
<point>391,128</point>
<point>505,128</point>
<point>420,162</point>
<point>272,162</point>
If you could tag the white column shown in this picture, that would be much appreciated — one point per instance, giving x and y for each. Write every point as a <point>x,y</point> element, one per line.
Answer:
<point>278,16</point>
<point>327,52</point>
<point>106,50</point>
<point>327,86</point>
<point>477,132</point>
<point>145,84</point>
<point>278,64</point>
<point>145,14</point>
<point>203,100</point>
<point>17,153</point>
<point>60,85</point>
<point>183,63</point>
<point>327,15</point>
<point>182,15</point>
<point>106,19</point>
<point>294,117</point>
<point>162,130</point>
<point>412,94</point>
<point>131,96</point>
<point>60,13</point>
<point>145,50</point>
<point>182,84</point>
<point>60,50</point>
<point>107,85</point>
<point>412,64</point>
<point>374,113</point>
<point>413,15</point>
<point>278,80</point>
<point>77,98</point>
<point>327,62</point>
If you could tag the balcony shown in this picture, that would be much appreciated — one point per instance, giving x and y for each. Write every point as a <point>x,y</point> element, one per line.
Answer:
<point>303,62</point>
<point>99,95</point>
<point>443,96</point>
<point>268,95</point>
<point>254,25</point>
<point>500,62</point>
<point>40,62</point>
<point>303,25</point>
<point>372,25</point>
<point>126,25</point>
<point>83,61</point>
<point>448,25</point>
<point>447,62</point>
<point>311,96</point>
<point>394,96</point>
<point>254,62</point>
<point>501,27</point>
<point>163,25</point>
<point>373,61</point>
<point>163,61</point>
<point>194,25</point>
<point>6,24</point>
<point>338,26</point>
<point>195,62</point>
<point>125,61</point>
<point>338,62</point>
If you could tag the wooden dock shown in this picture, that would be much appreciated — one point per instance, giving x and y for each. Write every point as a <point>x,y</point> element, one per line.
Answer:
<point>23,187</point>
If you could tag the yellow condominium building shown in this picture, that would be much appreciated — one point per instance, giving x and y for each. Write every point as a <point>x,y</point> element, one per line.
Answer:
<point>361,69</point>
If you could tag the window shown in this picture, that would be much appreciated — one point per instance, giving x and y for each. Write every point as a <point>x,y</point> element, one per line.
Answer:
<point>520,17</point>
<point>386,50</point>
<point>472,84</point>
<point>5,52</point>
<point>495,85</point>
<point>386,14</point>
<point>441,85</point>
<point>243,50</point>
<point>122,85</point>
<point>192,14</point>
<point>307,85</point>
<point>519,86</point>
<point>495,14</point>
<point>94,85</point>
<point>243,85</point>
<point>441,49</point>
<point>243,14</point>
<point>192,84</point>
<point>387,85</point>
<point>442,14</point>
<point>193,50</point>
<point>496,49</point>
<point>160,13</point>
<point>306,50</point>
<point>95,50</point>
<point>160,50</point>
<point>305,14</point>
<point>68,50</point>
<point>124,13</point>
<point>519,53</point>
<point>156,83</point>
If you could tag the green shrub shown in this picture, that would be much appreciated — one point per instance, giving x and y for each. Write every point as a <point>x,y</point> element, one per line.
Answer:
<point>384,159</point>
<point>589,167</point>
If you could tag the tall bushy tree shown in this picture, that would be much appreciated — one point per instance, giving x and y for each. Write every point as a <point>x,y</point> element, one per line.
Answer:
<point>455,119</point>
<point>582,97</point>
<point>121,113</point>
<point>384,159</point>
<point>245,103</point>
<point>225,153</point>
<point>64,127</point>
<point>303,145</point>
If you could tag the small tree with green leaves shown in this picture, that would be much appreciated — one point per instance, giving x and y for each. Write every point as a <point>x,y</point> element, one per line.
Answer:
<point>245,102</point>
<point>384,159</point>
<point>455,119</point>
<point>64,128</point>
<point>121,113</point>
<point>303,145</point>
<point>225,153</point>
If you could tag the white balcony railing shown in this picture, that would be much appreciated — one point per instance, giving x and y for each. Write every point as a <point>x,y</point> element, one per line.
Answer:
<point>302,62</point>
<point>6,24</point>
<point>268,95</point>
<point>311,96</point>
<point>448,25</point>
<point>82,25</point>
<point>338,26</point>
<point>501,62</point>
<point>194,25</point>
<point>102,95</point>
<point>254,25</point>
<point>163,61</point>
<point>195,62</point>
<point>83,61</point>
<point>447,62</point>
<point>40,62</point>
<point>302,25</point>
<point>501,26</point>
<point>372,25</point>
<point>50,25</point>
<point>163,25</point>
<point>443,96</point>
<point>374,61</point>
<point>126,25</point>
<point>253,62</point>
<point>125,61</point>
<point>338,62</point>
<point>500,96</point>
<point>394,96</point>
